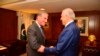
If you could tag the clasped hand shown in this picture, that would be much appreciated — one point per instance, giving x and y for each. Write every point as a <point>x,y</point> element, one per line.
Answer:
<point>41,48</point>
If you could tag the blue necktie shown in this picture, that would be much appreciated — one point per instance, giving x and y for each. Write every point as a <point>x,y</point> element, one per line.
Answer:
<point>42,31</point>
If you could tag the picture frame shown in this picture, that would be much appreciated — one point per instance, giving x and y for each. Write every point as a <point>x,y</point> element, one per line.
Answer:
<point>82,23</point>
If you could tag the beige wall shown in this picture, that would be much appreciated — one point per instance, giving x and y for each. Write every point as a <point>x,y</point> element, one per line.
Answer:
<point>25,18</point>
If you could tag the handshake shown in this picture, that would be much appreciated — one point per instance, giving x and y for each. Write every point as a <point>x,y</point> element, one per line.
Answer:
<point>41,48</point>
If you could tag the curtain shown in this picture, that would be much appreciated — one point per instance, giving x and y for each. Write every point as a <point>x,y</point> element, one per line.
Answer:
<point>24,20</point>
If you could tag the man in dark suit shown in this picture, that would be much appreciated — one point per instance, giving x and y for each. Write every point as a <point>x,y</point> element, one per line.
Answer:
<point>68,41</point>
<point>35,35</point>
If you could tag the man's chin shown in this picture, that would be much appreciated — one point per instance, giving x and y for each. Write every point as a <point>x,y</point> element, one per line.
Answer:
<point>43,24</point>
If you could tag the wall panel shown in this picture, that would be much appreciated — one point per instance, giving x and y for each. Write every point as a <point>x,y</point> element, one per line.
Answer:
<point>8,25</point>
<point>94,27</point>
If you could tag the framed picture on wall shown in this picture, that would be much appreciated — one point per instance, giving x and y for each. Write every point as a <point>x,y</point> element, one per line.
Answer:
<point>82,23</point>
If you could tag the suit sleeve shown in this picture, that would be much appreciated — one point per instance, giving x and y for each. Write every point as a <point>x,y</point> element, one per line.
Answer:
<point>64,41</point>
<point>32,39</point>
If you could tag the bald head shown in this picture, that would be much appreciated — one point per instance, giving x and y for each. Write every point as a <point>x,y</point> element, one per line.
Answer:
<point>69,12</point>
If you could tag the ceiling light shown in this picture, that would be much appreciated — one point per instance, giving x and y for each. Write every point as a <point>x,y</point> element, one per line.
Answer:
<point>42,9</point>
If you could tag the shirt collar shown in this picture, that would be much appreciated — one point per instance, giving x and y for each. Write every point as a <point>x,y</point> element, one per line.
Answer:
<point>68,23</point>
<point>38,24</point>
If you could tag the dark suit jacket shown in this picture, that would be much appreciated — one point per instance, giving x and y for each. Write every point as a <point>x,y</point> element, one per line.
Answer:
<point>35,39</point>
<point>68,41</point>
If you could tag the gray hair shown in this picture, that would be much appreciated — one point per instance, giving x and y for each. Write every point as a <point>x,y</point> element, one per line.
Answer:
<point>41,12</point>
<point>69,12</point>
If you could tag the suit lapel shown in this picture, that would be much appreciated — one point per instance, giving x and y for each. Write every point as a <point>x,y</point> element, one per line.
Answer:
<point>68,26</point>
<point>39,30</point>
